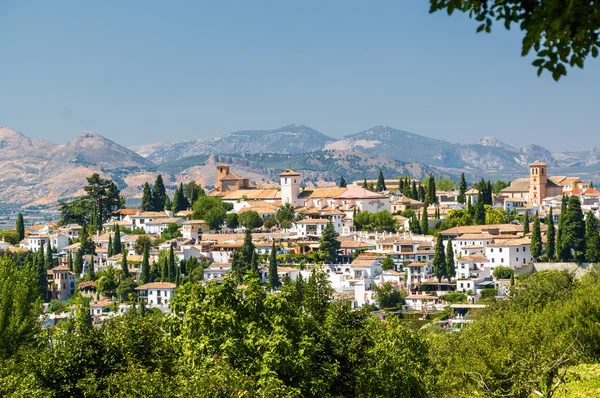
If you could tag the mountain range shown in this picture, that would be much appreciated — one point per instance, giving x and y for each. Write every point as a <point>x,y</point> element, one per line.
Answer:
<point>38,172</point>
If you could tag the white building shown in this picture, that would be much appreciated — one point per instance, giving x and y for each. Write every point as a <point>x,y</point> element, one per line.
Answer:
<point>34,242</point>
<point>509,252</point>
<point>160,224</point>
<point>157,294</point>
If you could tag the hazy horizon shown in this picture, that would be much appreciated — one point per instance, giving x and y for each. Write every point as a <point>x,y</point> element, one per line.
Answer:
<point>139,73</point>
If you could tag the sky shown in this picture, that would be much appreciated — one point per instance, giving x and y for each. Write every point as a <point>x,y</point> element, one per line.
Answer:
<point>144,71</point>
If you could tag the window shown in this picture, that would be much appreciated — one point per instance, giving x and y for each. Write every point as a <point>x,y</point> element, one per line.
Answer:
<point>517,249</point>
<point>502,260</point>
<point>517,258</point>
<point>500,250</point>
<point>524,248</point>
<point>158,293</point>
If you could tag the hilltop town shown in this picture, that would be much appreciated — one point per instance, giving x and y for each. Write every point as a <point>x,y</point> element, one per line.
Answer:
<point>432,250</point>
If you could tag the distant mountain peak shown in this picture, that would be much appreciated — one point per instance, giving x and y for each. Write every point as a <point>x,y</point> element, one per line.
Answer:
<point>494,142</point>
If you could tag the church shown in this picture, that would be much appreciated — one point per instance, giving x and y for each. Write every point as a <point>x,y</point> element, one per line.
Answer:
<point>538,186</point>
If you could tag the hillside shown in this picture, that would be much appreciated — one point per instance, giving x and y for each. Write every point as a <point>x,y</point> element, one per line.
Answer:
<point>290,139</point>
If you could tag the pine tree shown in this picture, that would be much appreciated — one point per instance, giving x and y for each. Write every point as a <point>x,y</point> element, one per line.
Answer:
<point>439,260</point>
<point>117,246</point>
<point>592,239</point>
<point>550,237</point>
<point>328,244</point>
<point>111,250</point>
<point>49,261</point>
<point>342,183</point>
<point>79,262</point>
<point>159,194</point>
<point>450,271</point>
<point>536,237</point>
<point>526,224</point>
<point>273,277</point>
<point>124,265</point>
<point>573,234</point>
<point>70,261</point>
<point>462,188</point>
<point>147,199</point>
<point>20,227</point>
<point>424,222</point>
<point>380,182</point>
<point>172,265</point>
<point>145,277</point>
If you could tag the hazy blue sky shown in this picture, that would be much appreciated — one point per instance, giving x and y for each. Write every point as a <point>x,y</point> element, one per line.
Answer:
<point>144,71</point>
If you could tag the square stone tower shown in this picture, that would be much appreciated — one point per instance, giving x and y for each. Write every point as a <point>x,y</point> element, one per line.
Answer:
<point>290,187</point>
<point>538,179</point>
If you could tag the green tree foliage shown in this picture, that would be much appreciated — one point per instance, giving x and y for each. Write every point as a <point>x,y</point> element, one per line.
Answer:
<point>560,35</point>
<point>231,221</point>
<point>179,200</point>
<point>19,306</point>
<point>414,225</point>
<point>117,245</point>
<point>77,211</point>
<point>387,296</point>
<point>499,185</point>
<point>526,223</point>
<point>431,191</point>
<point>592,238</point>
<point>192,191</point>
<point>145,276</point>
<point>380,183</point>
<point>562,250</point>
<point>503,272</point>
<point>212,210</point>
<point>342,183</point>
<point>387,263</point>
<point>124,265</point>
<point>159,194</point>
<point>106,283</point>
<point>536,237</point>
<point>172,231</point>
<point>104,197</point>
<point>550,236</point>
<point>49,259</point>
<point>172,265</point>
<point>273,277</point>
<point>329,246</point>
<point>91,272</point>
<point>111,249</point>
<point>147,199</point>
<point>250,219</point>
<point>573,234</point>
<point>450,270</point>
<point>142,244</point>
<point>439,260</point>
<point>479,213</point>
<point>462,188</point>
<point>78,262</point>
<point>424,222</point>
<point>285,215</point>
<point>70,261</point>
<point>383,221</point>
<point>362,220</point>
<point>454,298</point>
<point>20,227</point>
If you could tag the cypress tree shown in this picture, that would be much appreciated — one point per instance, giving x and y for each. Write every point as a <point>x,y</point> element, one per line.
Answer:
<point>414,225</point>
<point>550,237</point>
<point>273,277</point>
<point>117,246</point>
<point>414,194</point>
<point>159,194</point>
<point>20,227</point>
<point>177,201</point>
<point>178,277</point>
<point>42,279</point>
<point>439,260</point>
<point>401,184</point>
<point>342,182</point>
<point>254,268</point>
<point>237,266</point>
<point>365,183</point>
<point>172,265</point>
<point>79,262</point>
<point>70,261</point>
<point>526,224</point>
<point>536,237</point>
<point>147,199</point>
<point>49,261</point>
<point>469,206</point>
<point>450,267</point>
<point>490,198</point>
<point>592,239</point>
<point>560,243</point>
<point>328,244</point>
<point>431,190</point>
<point>40,257</point>
<point>168,203</point>
<point>479,215</point>
<point>247,251</point>
<point>424,222</point>
<point>111,250</point>
<point>573,234</point>
<point>124,265</point>
<point>380,182</point>
<point>164,266</point>
<point>422,194</point>
<point>145,277</point>
<point>91,272</point>
<point>462,188</point>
